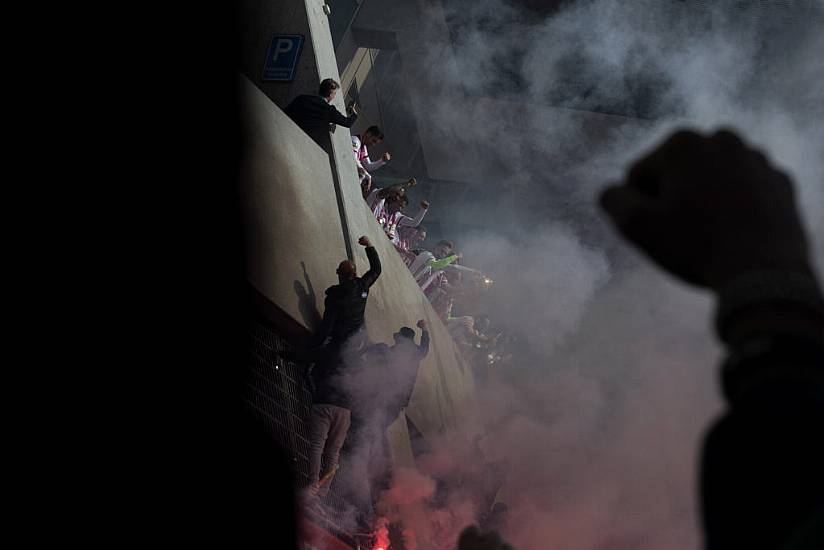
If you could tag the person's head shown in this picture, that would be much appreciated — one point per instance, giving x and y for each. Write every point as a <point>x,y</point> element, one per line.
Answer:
<point>328,89</point>
<point>394,193</point>
<point>416,235</point>
<point>372,136</point>
<point>405,334</point>
<point>482,323</point>
<point>443,249</point>
<point>346,270</point>
<point>398,204</point>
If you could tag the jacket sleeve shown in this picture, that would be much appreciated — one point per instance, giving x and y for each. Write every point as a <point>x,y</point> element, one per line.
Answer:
<point>369,165</point>
<point>423,348</point>
<point>441,264</point>
<point>335,117</point>
<point>406,221</point>
<point>459,267</point>
<point>763,461</point>
<point>374,272</point>
<point>330,313</point>
<point>292,108</point>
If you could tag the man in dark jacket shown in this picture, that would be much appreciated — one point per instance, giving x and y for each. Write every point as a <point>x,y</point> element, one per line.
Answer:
<point>346,301</point>
<point>405,358</point>
<point>315,113</point>
<point>384,384</point>
<point>340,330</point>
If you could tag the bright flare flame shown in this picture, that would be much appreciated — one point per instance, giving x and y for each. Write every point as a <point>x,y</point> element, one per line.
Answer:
<point>381,535</point>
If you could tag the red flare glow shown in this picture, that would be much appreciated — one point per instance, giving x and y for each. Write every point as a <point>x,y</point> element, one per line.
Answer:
<point>381,535</point>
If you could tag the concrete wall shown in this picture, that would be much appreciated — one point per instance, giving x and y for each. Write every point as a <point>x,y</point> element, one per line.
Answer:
<point>260,20</point>
<point>294,218</point>
<point>293,229</point>
<point>443,395</point>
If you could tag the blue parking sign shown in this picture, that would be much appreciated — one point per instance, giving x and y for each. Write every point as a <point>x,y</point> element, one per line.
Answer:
<point>282,57</point>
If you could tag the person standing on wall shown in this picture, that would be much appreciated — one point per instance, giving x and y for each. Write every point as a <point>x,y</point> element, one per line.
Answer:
<point>341,336</point>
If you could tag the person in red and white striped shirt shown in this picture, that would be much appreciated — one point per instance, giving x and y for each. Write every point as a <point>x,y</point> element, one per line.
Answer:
<point>411,238</point>
<point>379,195</point>
<point>372,136</point>
<point>392,217</point>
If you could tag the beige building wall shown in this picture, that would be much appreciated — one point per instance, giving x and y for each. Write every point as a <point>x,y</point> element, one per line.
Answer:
<point>292,224</point>
<point>296,239</point>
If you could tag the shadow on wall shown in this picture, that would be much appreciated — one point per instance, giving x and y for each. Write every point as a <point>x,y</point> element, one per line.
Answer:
<point>306,300</point>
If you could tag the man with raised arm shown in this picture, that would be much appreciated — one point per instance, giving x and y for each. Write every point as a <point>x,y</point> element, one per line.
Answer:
<point>386,381</point>
<point>715,213</point>
<point>341,335</point>
<point>346,301</point>
<point>372,136</point>
<point>377,198</point>
<point>316,115</point>
<point>393,217</point>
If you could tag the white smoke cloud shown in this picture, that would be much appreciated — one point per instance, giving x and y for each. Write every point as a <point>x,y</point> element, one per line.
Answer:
<point>545,279</point>
<point>602,430</point>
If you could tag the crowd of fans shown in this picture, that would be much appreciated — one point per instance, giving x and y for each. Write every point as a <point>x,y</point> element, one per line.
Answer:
<point>438,272</point>
<point>712,212</point>
<point>338,414</point>
<point>449,285</point>
<point>359,388</point>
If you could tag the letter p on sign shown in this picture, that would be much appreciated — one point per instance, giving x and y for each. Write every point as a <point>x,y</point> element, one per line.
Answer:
<point>283,45</point>
<point>282,57</point>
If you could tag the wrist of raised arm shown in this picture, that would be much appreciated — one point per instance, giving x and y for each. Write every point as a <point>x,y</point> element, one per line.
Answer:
<point>774,302</point>
<point>773,363</point>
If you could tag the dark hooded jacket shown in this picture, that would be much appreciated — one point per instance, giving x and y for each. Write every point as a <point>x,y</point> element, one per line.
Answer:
<point>346,303</point>
<point>406,357</point>
<point>386,381</point>
<point>342,318</point>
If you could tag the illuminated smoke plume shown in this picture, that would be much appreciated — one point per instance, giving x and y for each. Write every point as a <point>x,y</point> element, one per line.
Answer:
<point>600,423</point>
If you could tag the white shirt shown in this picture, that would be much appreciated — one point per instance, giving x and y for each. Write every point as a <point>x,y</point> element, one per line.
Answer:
<point>399,219</point>
<point>375,203</point>
<point>362,156</point>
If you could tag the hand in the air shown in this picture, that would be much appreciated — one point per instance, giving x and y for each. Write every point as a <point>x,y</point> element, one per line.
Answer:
<point>707,209</point>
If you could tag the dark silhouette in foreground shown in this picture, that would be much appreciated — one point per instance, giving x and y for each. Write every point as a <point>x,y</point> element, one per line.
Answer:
<point>715,213</point>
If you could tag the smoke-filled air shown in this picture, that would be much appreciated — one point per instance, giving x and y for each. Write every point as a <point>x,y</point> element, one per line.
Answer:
<point>592,430</point>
